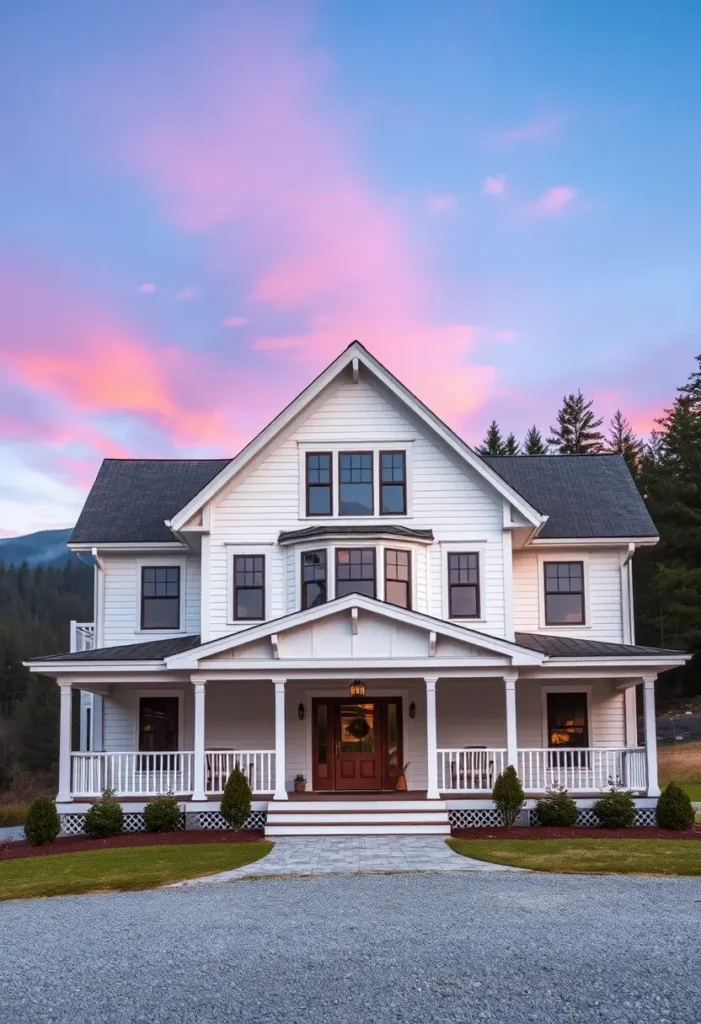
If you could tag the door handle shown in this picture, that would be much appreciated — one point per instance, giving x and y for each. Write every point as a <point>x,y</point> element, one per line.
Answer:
<point>338,749</point>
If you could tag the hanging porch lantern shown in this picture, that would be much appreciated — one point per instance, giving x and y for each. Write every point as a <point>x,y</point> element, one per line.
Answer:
<point>357,688</point>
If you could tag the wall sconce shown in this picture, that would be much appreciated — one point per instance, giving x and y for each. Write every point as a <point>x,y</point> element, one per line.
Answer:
<point>412,710</point>
<point>357,688</point>
<point>300,712</point>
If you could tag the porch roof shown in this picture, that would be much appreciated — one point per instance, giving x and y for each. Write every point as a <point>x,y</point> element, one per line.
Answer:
<point>578,647</point>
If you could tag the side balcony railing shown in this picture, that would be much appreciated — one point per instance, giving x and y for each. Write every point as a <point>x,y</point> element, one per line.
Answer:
<point>581,770</point>
<point>82,636</point>
<point>131,774</point>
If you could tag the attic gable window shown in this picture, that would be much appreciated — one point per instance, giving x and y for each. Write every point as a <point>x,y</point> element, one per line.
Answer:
<point>355,490</point>
<point>392,483</point>
<point>160,597</point>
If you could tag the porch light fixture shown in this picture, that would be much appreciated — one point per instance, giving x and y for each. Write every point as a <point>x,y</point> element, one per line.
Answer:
<point>412,710</point>
<point>357,688</point>
<point>300,712</point>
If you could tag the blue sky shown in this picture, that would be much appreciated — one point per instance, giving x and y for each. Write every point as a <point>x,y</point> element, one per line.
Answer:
<point>201,205</point>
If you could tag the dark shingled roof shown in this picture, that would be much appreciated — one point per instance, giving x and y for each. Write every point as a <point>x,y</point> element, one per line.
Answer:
<point>131,498</point>
<point>149,650</point>
<point>574,647</point>
<point>584,495</point>
<point>312,532</point>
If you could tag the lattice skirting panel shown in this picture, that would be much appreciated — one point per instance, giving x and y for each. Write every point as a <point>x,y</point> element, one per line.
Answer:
<point>474,818</point>
<point>586,816</point>
<point>216,820</point>
<point>72,824</point>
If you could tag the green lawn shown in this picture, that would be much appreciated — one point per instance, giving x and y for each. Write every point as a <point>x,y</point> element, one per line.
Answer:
<point>588,856</point>
<point>141,867</point>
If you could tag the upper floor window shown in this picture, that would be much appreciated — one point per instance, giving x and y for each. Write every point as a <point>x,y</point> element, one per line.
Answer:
<point>392,483</point>
<point>160,597</point>
<point>355,496</point>
<point>249,586</point>
<point>564,593</point>
<point>463,585</point>
<point>355,571</point>
<point>313,578</point>
<point>319,483</point>
<point>398,578</point>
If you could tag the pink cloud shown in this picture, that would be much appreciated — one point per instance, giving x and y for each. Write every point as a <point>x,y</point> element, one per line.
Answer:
<point>554,202</point>
<point>494,186</point>
<point>543,127</point>
<point>437,202</point>
<point>243,151</point>
<point>185,294</point>
<point>235,321</point>
<point>147,288</point>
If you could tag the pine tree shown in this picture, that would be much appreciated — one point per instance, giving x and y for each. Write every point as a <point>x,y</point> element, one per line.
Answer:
<point>623,441</point>
<point>534,443</point>
<point>511,445</point>
<point>493,443</point>
<point>577,431</point>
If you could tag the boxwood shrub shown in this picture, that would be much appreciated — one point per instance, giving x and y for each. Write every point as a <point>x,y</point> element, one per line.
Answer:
<point>615,810</point>
<point>42,823</point>
<point>104,819</point>
<point>162,814</point>
<point>508,795</point>
<point>236,799</point>
<point>557,809</point>
<point>674,808</point>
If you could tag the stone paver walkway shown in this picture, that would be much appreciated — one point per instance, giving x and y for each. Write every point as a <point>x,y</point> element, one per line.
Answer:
<point>323,855</point>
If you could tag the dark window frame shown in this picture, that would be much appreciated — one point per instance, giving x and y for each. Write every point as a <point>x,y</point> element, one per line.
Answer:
<point>161,597</point>
<point>477,586</point>
<point>357,515</point>
<point>546,593</point>
<point>401,551</point>
<point>308,486</point>
<point>235,589</point>
<point>170,699</point>
<point>336,565</point>
<point>393,483</point>
<point>304,583</point>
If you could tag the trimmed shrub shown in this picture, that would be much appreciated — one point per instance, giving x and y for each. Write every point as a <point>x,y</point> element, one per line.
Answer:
<point>162,814</point>
<point>674,808</point>
<point>557,809</point>
<point>508,795</point>
<point>42,823</point>
<point>104,819</point>
<point>236,799</point>
<point>615,810</point>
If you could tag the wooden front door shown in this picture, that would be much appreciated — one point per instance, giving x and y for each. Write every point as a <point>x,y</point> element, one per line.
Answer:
<point>356,743</point>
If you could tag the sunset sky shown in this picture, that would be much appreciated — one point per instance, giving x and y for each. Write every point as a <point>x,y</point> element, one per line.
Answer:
<point>202,203</point>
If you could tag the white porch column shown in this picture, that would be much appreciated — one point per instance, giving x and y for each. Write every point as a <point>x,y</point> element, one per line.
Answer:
<point>198,791</point>
<point>280,790</point>
<point>511,733</point>
<point>431,740</point>
<point>64,748</point>
<point>653,787</point>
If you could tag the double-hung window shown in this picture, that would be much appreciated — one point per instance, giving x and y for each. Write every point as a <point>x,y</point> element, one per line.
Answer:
<point>398,577</point>
<point>392,483</point>
<point>355,492</point>
<point>463,585</point>
<point>249,587</point>
<point>314,578</point>
<point>355,571</point>
<point>564,593</point>
<point>319,483</point>
<point>160,597</point>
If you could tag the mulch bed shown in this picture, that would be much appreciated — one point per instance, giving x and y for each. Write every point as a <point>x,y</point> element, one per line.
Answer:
<point>576,832</point>
<point>77,844</point>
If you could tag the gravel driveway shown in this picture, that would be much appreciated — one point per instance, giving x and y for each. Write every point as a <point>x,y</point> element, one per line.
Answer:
<point>361,948</point>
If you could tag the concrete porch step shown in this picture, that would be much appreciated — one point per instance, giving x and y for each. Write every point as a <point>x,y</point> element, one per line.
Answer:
<point>339,817</point>
<point>357,817</point>
<point>359,829</point>
<point>350,806</point>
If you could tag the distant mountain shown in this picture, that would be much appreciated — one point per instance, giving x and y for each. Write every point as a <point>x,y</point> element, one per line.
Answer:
<point>47,547</point>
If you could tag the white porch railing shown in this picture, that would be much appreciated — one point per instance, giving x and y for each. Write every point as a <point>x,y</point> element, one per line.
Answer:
<point>582,769</point>
<point>132,774</point>
<point>469,770</point>
<point>82,636</point>
<point>257,765</point>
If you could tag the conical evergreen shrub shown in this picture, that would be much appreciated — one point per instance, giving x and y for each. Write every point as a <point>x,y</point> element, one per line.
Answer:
<point>508,795</point>
<point>42,823</point>
<point>236,799</point>
<point>674,808</point>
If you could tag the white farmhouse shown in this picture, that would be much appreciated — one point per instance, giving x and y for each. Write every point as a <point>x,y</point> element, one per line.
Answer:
<point>358,598</point>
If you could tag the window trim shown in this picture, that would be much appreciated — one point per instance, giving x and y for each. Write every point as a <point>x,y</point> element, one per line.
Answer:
<point>234,588</point>
<point>543,563</point>
<point>409,583</point>
<point>566,688</point>
<point>165,692</point>
<point>178,600</point>
<point>358,547</point>
<point>307,485</point>
<point>470,618</point>
<point>308,551</point>
<point>393,444</point>
<point>162,562</point>
<point>380,485</point>
<point>373,469</point>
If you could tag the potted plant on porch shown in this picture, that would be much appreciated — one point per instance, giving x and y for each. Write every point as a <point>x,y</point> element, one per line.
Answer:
<point>401,777</point>
<point>300,783</point>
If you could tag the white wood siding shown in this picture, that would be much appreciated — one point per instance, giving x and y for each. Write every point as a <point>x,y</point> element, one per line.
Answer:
<point>603,598</point>
<point>446,497</point>
<point>606,712</point>
<point>121,609</point>
<point>120,715</point>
